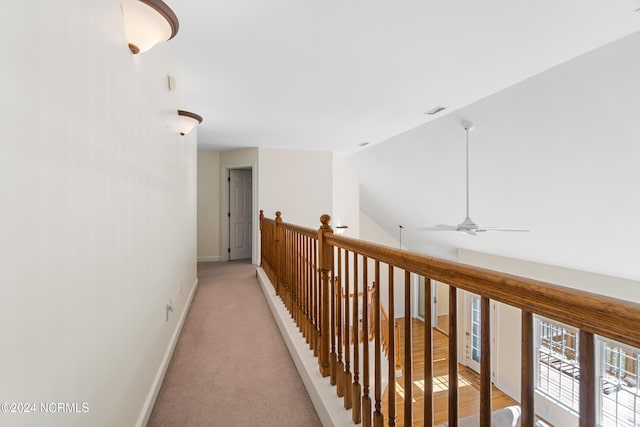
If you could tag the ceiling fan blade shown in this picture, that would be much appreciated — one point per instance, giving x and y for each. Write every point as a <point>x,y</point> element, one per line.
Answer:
<point>439,227</point>
<point>504,229</point>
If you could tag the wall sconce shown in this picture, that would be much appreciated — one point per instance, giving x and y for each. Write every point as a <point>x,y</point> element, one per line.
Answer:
<point>148,22</point>
<point>341,228</point>
<point>187,121</point>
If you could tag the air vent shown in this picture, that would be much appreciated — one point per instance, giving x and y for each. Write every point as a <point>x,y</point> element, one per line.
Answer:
<point>435,110</point>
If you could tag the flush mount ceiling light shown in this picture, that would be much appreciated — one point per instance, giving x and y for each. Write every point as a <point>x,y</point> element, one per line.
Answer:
<point>340,229</point>
<point>147,23</point>
<point>187,121</point>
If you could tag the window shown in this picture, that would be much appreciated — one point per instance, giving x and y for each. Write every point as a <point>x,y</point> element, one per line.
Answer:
<point>620,397</point>
<point>558,373</point>
<point>558,370</point>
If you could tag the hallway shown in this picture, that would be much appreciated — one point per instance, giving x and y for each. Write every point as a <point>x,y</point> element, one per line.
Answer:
<point>230,365</point>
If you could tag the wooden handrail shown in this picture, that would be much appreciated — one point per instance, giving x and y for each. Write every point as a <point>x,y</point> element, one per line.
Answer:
<point>318,274</point>
<point>601,315</point>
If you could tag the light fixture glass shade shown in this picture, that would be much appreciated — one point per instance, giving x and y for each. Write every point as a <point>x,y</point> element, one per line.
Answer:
<point>187,121</point>
<point>341,229</point>
<point>147,23</point>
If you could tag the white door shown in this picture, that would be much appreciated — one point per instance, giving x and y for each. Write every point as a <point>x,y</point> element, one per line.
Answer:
<point>473,332</point>
<point>440,294</point>
<point>239,214</point>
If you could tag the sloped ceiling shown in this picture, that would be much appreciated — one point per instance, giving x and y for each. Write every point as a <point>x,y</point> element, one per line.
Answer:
<point>554,150</point>
<point>333,74</point>
<point>558,154</point>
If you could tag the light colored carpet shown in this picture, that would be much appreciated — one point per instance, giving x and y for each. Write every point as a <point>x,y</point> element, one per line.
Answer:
<point>231,366</point>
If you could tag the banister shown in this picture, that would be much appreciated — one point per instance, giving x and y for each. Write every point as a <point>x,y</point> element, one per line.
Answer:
<point>601,315</point>
<point>300,262</point>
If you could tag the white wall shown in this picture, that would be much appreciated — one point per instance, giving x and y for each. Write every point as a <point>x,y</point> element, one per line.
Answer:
<point>346,196</point>
<point>98,214</point>
<point>557,154</point>
<point>297,183</point>
<point>209,209</point>
<point>372,232</point>
<point>508,320</point>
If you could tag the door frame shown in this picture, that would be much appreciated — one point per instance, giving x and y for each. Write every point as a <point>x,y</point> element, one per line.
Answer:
<point>224,210</point>
<point>464,341</point>
<point>229,184</point>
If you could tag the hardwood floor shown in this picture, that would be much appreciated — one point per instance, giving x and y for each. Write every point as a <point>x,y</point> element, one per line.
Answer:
<point>443,324</point>
<point>468,381</point>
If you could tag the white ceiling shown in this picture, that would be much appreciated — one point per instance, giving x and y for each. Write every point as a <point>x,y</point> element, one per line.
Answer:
<point>555,148</point>
<point>558,154</point>
<point>330,75</point>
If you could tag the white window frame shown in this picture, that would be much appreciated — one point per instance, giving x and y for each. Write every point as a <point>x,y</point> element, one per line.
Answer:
<point>569,364</point>
<point>618,383</point>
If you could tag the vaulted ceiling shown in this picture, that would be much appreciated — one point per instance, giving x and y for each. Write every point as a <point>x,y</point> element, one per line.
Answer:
<point>334,74</point>
<point>551,86</point>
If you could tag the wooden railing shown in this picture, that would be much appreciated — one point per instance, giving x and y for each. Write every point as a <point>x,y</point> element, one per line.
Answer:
<point>311,269</point>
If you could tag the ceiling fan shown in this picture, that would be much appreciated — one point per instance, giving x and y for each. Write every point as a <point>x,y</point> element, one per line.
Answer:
<point>467,226</point>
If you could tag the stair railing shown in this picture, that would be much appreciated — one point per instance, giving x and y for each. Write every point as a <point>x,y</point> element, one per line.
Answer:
<point>311,270</point>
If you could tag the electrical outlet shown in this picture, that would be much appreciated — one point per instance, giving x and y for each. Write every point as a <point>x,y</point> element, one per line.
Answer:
<point>169,309</point>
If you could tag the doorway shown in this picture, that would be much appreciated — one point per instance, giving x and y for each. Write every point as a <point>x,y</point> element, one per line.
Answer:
<point>473,332</point>
<point>440,308</point>
<point>240,213</point>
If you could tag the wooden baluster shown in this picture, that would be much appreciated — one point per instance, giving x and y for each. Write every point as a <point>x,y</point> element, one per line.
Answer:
<point>302,297</point>
<point>340,325</point>
<point>308,294</point>
<point>302,284</point>
<point>290,268</point>
<point>325,264</point>
<point>333,357</point>
<point>295,272</point>
<point>311,298</point>
<point>428,353</point>
<point>348,378</point>
<point>287,266</point>
<point>526,379</point>
<point>392,353</point>
<point>485,363</point>
<point>408,353</point>
<point>453,356</point>
<point>303,291</point>
<point>587,357</point>
<point>357,391</point>
<point>378,419</point>
<point>310,289</point>
<point>280,250</point>
<point>262,238</point>
<point>366,400</point>
<point>318,302</point>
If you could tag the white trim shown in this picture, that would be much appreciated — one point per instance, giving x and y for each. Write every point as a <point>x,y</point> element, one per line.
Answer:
<point>145,413</point>
<point>209,258</point>
<point>328,405</point>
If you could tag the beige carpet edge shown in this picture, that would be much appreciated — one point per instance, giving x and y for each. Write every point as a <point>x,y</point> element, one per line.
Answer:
<point>323,396</point>
<point>150,401</point>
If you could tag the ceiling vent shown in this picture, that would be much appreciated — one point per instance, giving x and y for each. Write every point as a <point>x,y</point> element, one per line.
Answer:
<point>435,110</point>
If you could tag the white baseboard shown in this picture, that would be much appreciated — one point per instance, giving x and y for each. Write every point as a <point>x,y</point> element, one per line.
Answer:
<point>209,258</point>
<point>145,413</point>
<point>328,405</point>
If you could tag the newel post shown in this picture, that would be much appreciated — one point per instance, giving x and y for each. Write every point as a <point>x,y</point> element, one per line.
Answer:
<point>326,263</point>
<point>279,251</point>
